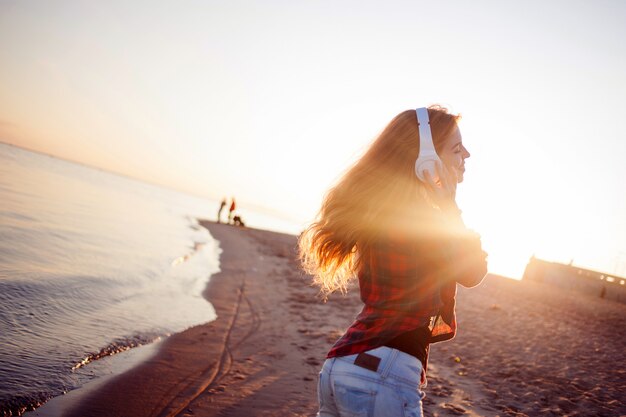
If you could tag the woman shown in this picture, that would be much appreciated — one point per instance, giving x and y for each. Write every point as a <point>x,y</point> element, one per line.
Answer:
<point>405,241</point>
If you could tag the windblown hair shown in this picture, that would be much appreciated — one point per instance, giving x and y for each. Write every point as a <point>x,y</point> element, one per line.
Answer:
<point>379,193</point>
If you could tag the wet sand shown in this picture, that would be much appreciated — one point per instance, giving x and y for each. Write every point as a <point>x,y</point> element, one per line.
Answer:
<point>523,349</point>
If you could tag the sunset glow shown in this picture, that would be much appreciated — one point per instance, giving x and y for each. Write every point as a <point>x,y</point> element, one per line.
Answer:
<point>271,102</point>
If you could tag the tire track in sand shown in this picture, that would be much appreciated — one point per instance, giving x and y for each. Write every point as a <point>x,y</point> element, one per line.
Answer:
<point>210,376</point>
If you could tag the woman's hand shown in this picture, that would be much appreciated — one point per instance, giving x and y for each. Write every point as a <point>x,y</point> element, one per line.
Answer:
<point>442,189</point>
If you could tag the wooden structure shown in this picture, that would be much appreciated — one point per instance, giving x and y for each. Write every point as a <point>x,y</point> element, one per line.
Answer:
<point>594,283</point>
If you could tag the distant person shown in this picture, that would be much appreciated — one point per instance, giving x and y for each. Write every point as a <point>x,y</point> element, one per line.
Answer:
<point>397,227</point>
<point>237,221</point>
<point>219,212</point>
<point>231,211</point>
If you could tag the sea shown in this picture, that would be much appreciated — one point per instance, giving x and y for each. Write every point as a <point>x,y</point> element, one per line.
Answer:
<point>91,264</point>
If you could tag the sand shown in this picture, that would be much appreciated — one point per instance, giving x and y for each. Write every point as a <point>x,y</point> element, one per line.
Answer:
<point>523,348</point>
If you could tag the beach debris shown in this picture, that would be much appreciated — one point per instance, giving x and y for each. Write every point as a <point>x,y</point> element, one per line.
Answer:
<point>117,346</point>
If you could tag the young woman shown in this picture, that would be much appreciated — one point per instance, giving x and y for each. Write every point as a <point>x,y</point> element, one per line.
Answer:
<point>404,239</point>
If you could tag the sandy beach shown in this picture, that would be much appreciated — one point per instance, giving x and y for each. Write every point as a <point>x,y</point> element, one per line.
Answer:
<point>523,349</point>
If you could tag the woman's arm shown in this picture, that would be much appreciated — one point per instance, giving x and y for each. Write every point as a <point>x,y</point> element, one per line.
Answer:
<point>468,261</point>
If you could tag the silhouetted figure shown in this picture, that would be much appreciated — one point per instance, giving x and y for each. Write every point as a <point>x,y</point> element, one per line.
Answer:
<point>238,222</point>
<point>219,212</point>
<point>603,292</point>
<point>233,206</point>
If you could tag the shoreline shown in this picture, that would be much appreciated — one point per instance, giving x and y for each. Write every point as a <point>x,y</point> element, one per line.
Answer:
<point>124,393</point>
<point>261,356</point>
<point>115,365</point>
<point>126,387</point>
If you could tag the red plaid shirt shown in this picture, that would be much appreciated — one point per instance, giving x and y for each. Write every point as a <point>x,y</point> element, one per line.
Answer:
<point>408,283</point>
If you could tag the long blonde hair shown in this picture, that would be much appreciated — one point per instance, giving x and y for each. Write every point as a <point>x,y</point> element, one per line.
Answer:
<point>380,192</point>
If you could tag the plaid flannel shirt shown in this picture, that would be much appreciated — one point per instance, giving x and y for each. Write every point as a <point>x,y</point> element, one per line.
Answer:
<point>409,283</point>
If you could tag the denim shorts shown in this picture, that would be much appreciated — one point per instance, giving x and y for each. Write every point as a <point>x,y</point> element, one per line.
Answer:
<point>393,389</point>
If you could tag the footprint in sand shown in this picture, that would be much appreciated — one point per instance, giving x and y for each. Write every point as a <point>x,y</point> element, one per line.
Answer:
<point>441,391</point>
<point>454,409</point>
<point>313,361</point>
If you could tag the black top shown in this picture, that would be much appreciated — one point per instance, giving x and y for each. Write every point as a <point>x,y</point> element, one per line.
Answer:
<point>414,342</point>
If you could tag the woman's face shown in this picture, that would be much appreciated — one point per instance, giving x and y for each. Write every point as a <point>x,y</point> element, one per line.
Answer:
<point>454,154</point>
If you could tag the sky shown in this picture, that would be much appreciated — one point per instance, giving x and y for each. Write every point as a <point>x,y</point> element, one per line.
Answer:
<point>270,102</point>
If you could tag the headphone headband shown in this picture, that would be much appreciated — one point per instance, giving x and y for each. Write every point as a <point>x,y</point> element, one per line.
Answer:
<point>423,123</point>
<point>427,160</point>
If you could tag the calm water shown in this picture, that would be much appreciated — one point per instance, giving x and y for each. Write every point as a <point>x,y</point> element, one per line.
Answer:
<point>90,263</point>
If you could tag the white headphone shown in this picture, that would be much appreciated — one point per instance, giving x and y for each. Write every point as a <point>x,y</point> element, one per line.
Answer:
<point>427,160</point>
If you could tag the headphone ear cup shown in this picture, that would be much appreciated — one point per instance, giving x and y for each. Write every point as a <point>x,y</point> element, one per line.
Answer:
<point>427,162</point>
<point>427,159</point>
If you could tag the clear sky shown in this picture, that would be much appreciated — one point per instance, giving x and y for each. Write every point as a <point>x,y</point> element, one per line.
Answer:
<point>270,101</point>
